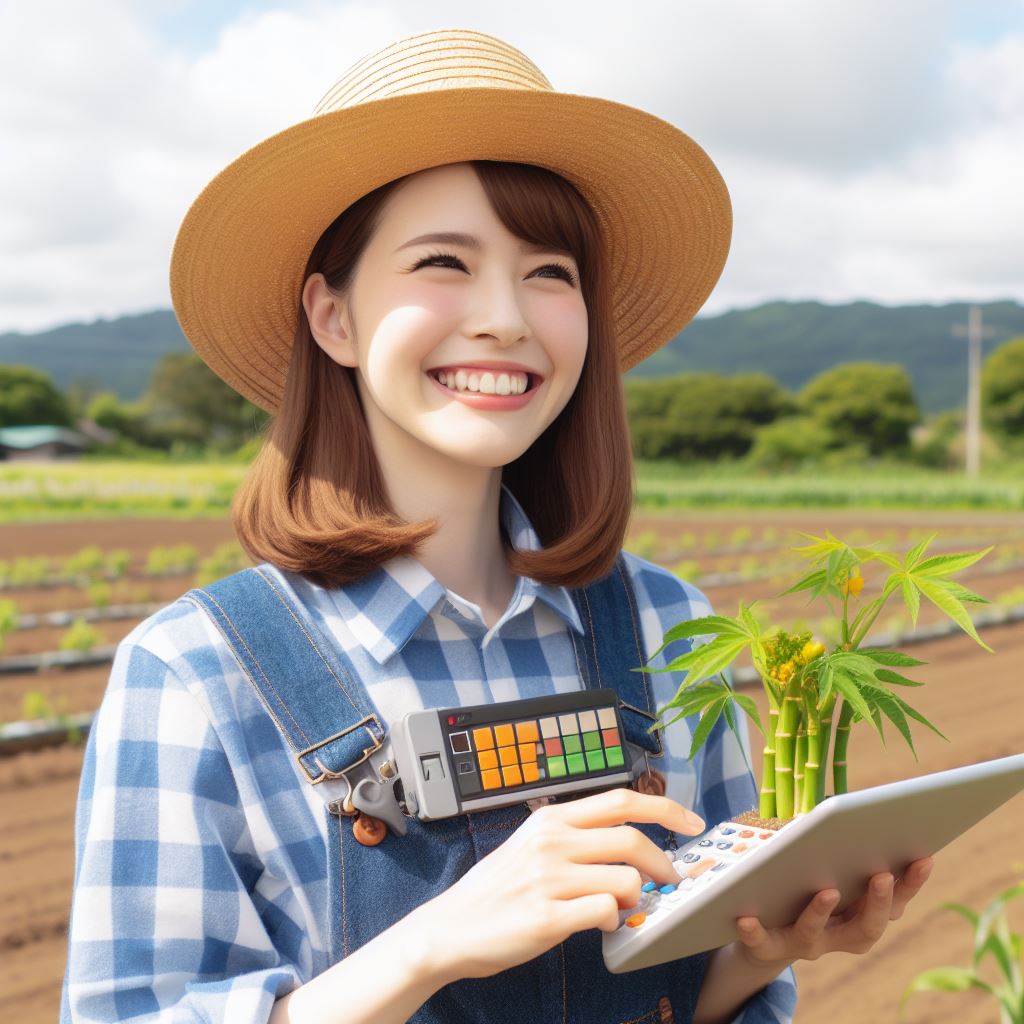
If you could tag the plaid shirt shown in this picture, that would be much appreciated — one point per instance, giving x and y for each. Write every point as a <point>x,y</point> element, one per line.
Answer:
<point>200,881</point>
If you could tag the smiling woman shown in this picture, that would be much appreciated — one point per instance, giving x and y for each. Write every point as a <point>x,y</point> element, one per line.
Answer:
<point>363,405</point>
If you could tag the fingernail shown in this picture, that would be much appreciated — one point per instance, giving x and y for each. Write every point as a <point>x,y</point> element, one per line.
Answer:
<point>694,822</point>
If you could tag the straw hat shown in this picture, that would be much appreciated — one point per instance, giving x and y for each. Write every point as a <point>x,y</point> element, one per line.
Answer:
<point>436,98</point>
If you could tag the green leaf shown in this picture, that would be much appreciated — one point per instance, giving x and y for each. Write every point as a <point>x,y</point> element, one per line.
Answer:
<point>966,912</point>
<point>945,979</point>
<point>918,717</point>
<point>750,708</point>
<point>849,690</point>
<point>895,678</point>
<point>814,581</point>
<point>945,565</point>
<point>961,593</point>
<point>890,657</point>
<point>911,598</point>
<point>886,702</point>
<point>936,592</point>
<point>917,551</point>
<point>707,721</point>
<point>700,627</point>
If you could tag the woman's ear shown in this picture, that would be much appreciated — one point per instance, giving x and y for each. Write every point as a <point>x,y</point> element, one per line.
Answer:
<point>329,322</point>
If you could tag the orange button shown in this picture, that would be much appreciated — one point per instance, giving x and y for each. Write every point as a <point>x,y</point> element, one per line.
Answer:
<point>740,847</point>
<point>527,732</point>
<point>698,869</point>
<point>746,834</point>
<point>635,920</point>
<point>504,735</point>
<point>482,738</point>
<point>527,751</point>
<point>488,758</point>
<point>513,776</point>
<point>507,755</point>
<point>492,779</point>
<point>530,773</point>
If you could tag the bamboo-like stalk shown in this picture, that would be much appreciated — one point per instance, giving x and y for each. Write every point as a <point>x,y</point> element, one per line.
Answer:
<point>825,738</point>
<point>785,748</point>
<point>799,757</point>
<point>766,806</point>
<point>812,766</point>
<point>842,741</point>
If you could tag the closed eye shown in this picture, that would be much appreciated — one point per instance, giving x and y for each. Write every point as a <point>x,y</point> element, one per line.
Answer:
<point>450,259</point>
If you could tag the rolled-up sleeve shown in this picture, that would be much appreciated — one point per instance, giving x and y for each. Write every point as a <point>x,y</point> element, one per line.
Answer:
<point>166,921</point>
<point>728,788</point>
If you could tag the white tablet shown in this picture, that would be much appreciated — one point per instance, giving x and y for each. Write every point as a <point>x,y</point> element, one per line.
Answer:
<point>737,870</point>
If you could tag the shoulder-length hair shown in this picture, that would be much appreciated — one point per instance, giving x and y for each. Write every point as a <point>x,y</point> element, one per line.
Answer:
<point>314,500</point>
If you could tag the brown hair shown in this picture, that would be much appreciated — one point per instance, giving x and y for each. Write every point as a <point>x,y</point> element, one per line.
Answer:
<point>312,506</point>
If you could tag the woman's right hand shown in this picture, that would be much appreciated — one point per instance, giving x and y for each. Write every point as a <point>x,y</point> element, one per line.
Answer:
<point>555,875</point>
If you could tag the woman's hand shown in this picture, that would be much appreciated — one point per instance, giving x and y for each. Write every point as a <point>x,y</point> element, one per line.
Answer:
<point>570,866</point>
<point>816,932</point>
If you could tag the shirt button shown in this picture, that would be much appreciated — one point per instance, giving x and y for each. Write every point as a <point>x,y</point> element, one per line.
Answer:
<point>369,831</point>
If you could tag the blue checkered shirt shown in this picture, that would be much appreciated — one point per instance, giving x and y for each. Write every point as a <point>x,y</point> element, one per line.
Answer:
<point>200,879</point>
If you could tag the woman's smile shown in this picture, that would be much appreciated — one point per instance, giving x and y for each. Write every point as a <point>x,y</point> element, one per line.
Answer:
<point>483,388</point>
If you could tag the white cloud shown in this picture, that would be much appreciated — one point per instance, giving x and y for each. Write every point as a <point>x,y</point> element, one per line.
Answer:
<point>870,152</point>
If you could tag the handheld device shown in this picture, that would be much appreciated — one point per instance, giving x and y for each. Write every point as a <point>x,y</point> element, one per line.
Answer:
<point>736,870</point>
<point>440,762</point>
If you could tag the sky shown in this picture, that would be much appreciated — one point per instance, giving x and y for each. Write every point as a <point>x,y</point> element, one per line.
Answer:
<point>873,150</point>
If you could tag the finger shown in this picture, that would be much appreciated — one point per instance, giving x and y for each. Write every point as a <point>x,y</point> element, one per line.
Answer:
<point>910,885</point>
<point>807,928</point>
<point>624,844</point>
<point>618,805</point>
<point>867,927</point>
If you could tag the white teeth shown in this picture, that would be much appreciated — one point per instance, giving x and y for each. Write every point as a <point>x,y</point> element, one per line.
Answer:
<point>484,383</point>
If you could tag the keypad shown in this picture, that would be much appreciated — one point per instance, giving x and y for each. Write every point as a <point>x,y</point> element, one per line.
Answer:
<point>698,863</point>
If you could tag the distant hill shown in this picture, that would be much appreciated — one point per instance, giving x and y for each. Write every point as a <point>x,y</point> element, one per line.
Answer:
<point>791,341</point>
<point>116,355</point>
<point>795,341</point>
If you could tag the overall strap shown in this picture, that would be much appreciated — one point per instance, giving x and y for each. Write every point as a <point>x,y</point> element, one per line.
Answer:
<point>305,681</point>
<point>612,647</point>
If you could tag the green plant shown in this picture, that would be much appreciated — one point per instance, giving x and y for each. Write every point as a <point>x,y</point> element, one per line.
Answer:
<point>30,571</point>
<point>644,544</point>
<point>118,562</point>
<point>35,705</point>
<point>992,936</point>
<point>808,686</point>
<point>8,619</point>
<point>227,558</point>
<point>89,562</point>
<point>99,593</point>
<point>80,636</point>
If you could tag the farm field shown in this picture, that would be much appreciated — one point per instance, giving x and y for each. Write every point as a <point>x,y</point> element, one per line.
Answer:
<point>974,697</point>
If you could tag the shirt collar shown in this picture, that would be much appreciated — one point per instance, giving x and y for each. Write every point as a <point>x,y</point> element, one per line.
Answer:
<point>384,610</point>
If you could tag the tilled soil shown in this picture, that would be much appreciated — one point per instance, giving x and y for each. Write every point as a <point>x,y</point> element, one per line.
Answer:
<point>974,697</point>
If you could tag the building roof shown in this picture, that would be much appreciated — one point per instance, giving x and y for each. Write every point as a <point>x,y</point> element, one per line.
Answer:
<point>24,438</point>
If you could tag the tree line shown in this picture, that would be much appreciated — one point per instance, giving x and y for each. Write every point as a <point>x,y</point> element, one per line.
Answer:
<point>851,412</point>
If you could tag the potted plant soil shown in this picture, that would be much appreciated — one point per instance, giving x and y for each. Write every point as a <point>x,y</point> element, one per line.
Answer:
<point>815,696</point>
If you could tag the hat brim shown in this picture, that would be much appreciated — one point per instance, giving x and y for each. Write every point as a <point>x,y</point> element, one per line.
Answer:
<point>240,253</point>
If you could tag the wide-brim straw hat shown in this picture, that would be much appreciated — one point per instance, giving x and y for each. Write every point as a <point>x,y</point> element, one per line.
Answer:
<point>436,98</point>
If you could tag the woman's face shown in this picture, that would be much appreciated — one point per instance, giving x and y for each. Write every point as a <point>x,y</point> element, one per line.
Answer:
<point>487,317</point>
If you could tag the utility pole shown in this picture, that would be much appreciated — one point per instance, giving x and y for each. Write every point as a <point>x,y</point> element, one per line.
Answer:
<point>974,333</point>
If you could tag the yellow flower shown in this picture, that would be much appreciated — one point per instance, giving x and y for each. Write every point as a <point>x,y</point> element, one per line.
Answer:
<point>811,650</point>
<point>786,671</point>
<point>854,585</point>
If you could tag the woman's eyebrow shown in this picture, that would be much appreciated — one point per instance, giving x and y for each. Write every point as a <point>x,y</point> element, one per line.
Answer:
<point>472,242</point>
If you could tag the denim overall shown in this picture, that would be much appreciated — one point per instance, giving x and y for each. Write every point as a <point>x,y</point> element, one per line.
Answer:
<point>308,686</point>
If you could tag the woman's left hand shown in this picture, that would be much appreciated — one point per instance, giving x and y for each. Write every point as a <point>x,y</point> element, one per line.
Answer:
<point>815,931</point>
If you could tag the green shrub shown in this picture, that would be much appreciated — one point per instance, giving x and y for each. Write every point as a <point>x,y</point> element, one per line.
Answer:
<point>80,636</point>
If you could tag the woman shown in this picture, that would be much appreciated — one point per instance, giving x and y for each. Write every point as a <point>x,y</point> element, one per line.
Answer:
<point>438,513</point>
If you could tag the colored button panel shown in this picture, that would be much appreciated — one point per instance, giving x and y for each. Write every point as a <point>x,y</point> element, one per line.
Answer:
<point>552,747</point>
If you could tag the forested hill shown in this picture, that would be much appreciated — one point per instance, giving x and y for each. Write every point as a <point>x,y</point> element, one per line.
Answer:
<point>795,341</point>
<point>791,341</point>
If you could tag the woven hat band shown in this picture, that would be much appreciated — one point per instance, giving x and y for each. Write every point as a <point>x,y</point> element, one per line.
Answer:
<point>445,59</point>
